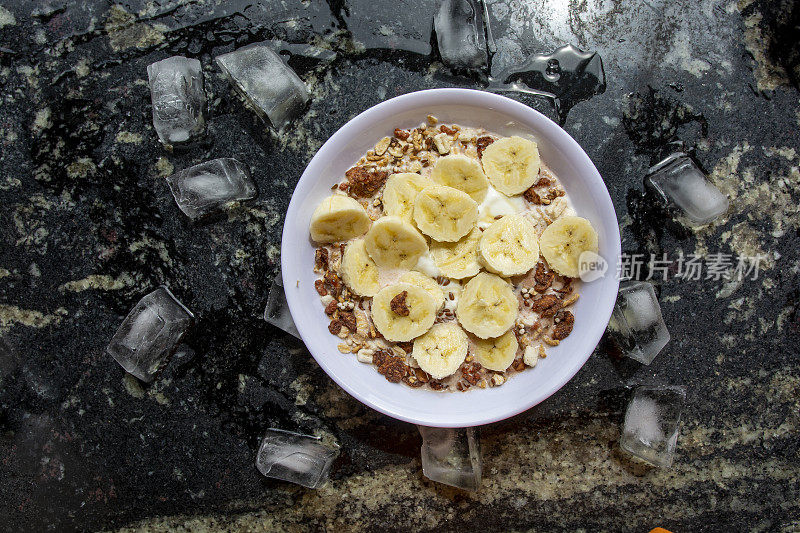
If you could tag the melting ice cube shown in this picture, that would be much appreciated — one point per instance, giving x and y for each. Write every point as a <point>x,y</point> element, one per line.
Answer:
<point>176,89</point>
<point>460,33</point>
<point>636,323</point>
<point>277,311</point>
<point>679,181</point>
<point>452,456</point>
<point>149,333</point>
<point>263,79</point>
<point>652,422</point>
<point>296,458</point>
<point>207,187</point>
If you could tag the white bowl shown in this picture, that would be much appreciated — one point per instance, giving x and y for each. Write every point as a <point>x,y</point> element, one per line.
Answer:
<point>476,406</point>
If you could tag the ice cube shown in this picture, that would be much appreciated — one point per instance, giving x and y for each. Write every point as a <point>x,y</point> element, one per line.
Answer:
<point>266,82</point>
<point>452,456</point>
<point>677,180</point>
<point>277,311</point>
<point>176,89</point>
<point>636,324</point>
<point>460,33</point>
<point>207,187</point>
<point>295,458</point>
<point>149,333</point>
<point>652,422</point>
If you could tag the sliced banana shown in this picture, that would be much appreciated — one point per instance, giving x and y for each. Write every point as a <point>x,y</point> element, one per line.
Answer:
<point>444,213</point>
<point>563,242</point>
<point>458,259</point>
<point>338,218</point>
<point>399,194</point>
<point>394,243</point>
<point>487,306</point>
<point>412,314</point>
<point>441,350</point>
<point>462,173</point>
<point>426,282</point>
<point>359,271</point>
<point>511,164</point>
<point>496,354</point>
<point>509,247</point>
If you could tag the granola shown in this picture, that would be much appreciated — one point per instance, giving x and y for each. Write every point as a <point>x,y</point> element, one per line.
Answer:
<point>541,296</point>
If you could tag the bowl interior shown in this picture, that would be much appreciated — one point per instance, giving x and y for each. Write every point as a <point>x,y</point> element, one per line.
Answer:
<point>472,108</point>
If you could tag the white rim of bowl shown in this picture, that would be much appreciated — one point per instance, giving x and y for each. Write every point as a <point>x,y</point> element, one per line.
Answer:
<point>492,101</point>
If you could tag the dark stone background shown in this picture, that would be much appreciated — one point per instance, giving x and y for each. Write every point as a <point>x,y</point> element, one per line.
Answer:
<point>83,447</point>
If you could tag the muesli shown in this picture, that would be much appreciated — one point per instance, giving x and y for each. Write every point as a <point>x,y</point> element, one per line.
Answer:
<point>448,257</point>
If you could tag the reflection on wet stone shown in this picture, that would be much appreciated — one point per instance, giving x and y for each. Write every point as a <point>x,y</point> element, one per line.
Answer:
<point>296,458</point>
<point>277,310</point>
<point>652,422</point>
<point>149,333</point>
<point>452,456</point>
<point>678,181</point>
<point>176,89</point>
<point>271,88</point>
<point>636,324</point>
<point>205,188</point>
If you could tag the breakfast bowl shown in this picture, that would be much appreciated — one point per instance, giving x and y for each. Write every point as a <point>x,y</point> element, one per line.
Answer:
<point>470,108</point>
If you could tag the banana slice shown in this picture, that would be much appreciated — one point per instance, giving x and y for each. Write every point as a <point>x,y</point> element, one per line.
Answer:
<point>393,243</point>
<point>509,247</point>
<point>338,218</point>
<point>496,354</point>
<point>487,306</point>
<point>462,173</point>
<point>441,350</point>
<point>512,164</point>
<point>444,213</point>
<point>399,194</point>
<point>459,259</point>
<point>359,271</point>
<point>402,311</point>
<point>429,284</point>
<point>564,241</point>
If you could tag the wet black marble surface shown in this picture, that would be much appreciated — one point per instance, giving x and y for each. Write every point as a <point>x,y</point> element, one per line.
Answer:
<point>89,226</point>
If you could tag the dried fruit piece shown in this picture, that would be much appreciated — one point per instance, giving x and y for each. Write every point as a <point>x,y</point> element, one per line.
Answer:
<point>348,319</point>
<point>564,320</point>
<point>364,182</point>
<point>546,305</point>
<point>320,286</point>
<point>482,143</point>
<point>398,304</point>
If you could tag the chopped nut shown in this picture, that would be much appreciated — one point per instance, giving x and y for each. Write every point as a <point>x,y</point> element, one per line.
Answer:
<point>482,143</point>
<point>382,146</point>
<point>471,372</point>
<point>401,134</point>
<point>498,379</point>
<point>445,129</point>
<point>364,355</point>
<point>518,365</point>
<point>442,143</point>
<point>398,304</point>
<point>432,120</point>
<point>571,300</point>
<point>437,384</point>
<point>332,283</point>
<point>532,196</point>
<point>546,305</point>
<point>550,341</point>
<point>543,182</point>
<point>531,356</point>
<point>407,347</point>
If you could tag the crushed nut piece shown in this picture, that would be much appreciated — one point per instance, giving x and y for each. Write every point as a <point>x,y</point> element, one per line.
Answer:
<point>531,356</point>
<point>498,380</point>
<point>321,258</point>
<point>550,341</point>
<point>471,372</point>
<point>447,130</point>
<point>432,120</point>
